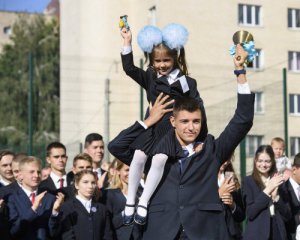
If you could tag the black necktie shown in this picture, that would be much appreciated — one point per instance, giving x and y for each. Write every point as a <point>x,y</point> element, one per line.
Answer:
<point>182,161</point>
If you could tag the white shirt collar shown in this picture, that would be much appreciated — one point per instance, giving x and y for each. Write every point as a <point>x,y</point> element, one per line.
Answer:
<point>295,186</point>
<point>190,148</point>
<point>172,76</point>
<point>86,203</point>
<point>28,193</point>
<point>56,179</point>
<point>5,183</point>
<point>98,171</point>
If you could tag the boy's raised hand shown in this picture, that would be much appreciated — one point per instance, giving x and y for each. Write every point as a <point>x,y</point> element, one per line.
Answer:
<point>38,200</point>
<point>159,109</point>
<point>240,57</point>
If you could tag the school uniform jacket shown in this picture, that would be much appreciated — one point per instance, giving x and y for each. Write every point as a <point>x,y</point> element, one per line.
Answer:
<point>288,193</point>
<point>8,190</point>
<point>49,186</point>
<point>234,219</point>
<point>75,222</point>
<point>191,199</point>
<point>24,222</point>
<point>115,203</point>
<point>258,212</point>
<point>5,192</point>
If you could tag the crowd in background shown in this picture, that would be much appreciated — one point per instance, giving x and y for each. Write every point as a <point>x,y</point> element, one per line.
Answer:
<point>88,202</point>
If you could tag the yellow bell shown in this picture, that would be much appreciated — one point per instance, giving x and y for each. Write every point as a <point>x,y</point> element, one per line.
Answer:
<point>242,36</point>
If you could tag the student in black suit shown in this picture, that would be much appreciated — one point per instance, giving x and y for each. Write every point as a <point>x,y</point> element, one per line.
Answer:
<point>9,189</point>
<point>82,218</point>
<point>94,146</point>
<point>186,202</point>
<point>15,185</point>
<point>6,175</point>
<point>267,211</point>
<point>81,161</point>
<point>291,192</point>
<point>29,209</point>
<point>231,196</point>
<point>57,158</point>
<point>115,197</point>
<point>4,229</point>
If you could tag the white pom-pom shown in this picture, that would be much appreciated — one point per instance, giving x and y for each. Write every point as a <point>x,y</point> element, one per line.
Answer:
<point>149,37</point>
<point>175,35</point>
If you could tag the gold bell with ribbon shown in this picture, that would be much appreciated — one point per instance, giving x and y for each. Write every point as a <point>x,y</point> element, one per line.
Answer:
<point>241,37</point>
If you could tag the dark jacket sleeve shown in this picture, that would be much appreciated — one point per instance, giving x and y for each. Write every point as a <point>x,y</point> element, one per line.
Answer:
<point>108,233</point>
<point>255,202</point>
<point>119,146</point>
<point>137,74</point>
<point>116,217</point>
<point>283,206</point>
<point>62,225</point>
<point>239,213</point>
<point>237,128</point>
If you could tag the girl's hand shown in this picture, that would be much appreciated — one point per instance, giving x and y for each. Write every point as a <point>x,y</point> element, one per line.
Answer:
<point>126,34</point>
<point>240,57</point>
<point>274,194</point>
<point>1,203</point>
<point>228,186</point>
<point>58,202</point>
<point>274,182</point>
<point>227,199</point>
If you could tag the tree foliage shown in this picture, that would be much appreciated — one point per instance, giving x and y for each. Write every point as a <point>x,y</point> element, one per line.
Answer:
<point>37,37</point>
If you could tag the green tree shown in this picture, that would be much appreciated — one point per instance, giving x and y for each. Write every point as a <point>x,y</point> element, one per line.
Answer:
<point>37,36</point>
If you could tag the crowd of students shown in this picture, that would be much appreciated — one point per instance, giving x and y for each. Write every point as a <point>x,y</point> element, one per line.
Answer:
<point>267,199</point>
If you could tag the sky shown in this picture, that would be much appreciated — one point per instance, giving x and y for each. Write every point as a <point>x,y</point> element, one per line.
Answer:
<point>23,5</point>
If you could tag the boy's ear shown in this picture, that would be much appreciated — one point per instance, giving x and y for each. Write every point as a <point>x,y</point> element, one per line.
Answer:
<point>172,120</point>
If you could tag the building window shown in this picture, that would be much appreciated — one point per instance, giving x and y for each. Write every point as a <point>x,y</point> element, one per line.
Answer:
<point>152,15</point>
<point>259,102</point>
<point>293,18</point>
<point>295,145</point>
<point>257,62</point>
<point>249,14</point>
<point>7,30</point>
<point>252,143</point>
<point>295,104</point>
<point>294,61</point>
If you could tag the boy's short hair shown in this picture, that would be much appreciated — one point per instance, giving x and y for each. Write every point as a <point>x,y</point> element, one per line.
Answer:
<point>5,153</point>
<point>279,140</point>
<point>92,137</point>
<point>18,157</point>
<point>296,162</point>
<point>55,145</point>
<point>186,104</point>
<point>30,159</point>
<point>84,157</point>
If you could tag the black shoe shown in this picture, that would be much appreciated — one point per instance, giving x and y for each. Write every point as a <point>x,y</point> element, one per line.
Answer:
<point>138,218</point>
<point>128,219</point>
